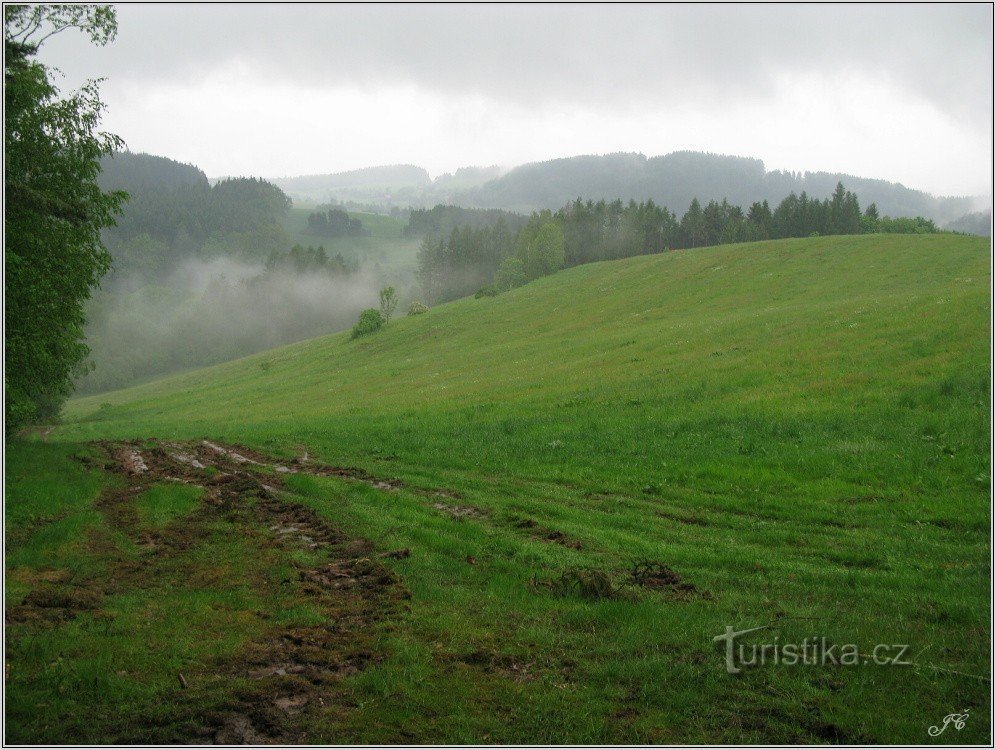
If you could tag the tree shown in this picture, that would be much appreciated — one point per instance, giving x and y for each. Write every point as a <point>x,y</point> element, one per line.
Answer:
<point>388,301</point>
<point>510,274</point>
<point>693,225</point>
<point>55,209</point>
<point>546,252</point>
<point>869,221</point>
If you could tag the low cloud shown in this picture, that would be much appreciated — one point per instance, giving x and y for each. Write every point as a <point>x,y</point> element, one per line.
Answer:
<point>213,311</point>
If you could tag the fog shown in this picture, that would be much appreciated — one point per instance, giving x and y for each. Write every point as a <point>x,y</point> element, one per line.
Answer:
<point>206,312</point>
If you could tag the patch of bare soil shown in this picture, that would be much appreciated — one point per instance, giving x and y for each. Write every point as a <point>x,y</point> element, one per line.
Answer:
<point>657,576</point>
<point>592,583</point>
<point>557,537</point>
<point>52,602</point>
<point>544,534</point>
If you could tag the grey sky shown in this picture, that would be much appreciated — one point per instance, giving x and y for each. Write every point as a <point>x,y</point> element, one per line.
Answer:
<point>902,92</point>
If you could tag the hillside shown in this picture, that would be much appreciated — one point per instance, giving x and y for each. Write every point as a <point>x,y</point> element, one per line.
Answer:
<point>452,514</point>
<point>675,179</point>
<point>509,337</point>
<point>138,172</point>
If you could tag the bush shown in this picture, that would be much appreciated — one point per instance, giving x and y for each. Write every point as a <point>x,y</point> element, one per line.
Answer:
<point>417,308</point>
<point>510,274</point>
<point>370,320</point>
<point>486,291</point>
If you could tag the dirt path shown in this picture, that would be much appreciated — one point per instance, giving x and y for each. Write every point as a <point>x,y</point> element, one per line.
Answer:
<point>277,682</point>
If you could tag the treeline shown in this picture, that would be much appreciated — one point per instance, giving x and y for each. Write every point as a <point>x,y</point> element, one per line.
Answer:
<point>494,258</point>
<point>334,222</point>
<point>456,265</point>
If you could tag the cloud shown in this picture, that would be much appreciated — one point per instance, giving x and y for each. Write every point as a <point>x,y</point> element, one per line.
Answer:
<point>473,68</point>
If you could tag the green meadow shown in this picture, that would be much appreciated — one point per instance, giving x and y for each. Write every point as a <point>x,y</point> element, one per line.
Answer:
<point>797,430</point>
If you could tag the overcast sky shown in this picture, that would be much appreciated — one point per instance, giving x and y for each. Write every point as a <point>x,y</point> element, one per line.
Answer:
<point>901,92</point>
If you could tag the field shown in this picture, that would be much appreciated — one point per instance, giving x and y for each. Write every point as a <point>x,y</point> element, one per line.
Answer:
<point>524,519</point>
<point>384,245</point>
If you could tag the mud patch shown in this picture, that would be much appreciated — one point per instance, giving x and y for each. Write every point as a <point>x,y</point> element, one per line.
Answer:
<point>131,460</point>
<point>543,534</point>
<point>657,576</point>
<point>55,602</point>
<point>238,456</point>
<point>557,537</point>
<point>238,729</point>
<point>583,583</point>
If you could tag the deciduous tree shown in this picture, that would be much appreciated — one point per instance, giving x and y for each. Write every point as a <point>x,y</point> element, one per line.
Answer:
<point>55,209</point>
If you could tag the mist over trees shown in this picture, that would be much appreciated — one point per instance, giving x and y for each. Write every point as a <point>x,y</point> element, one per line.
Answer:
<point>463,261</point>
<point>979,222</point>
<point>205,273</point>
<point>388,186</point>
<point>398,182</point>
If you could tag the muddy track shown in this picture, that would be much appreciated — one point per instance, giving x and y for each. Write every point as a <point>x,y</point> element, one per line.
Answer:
<point>278,681</point>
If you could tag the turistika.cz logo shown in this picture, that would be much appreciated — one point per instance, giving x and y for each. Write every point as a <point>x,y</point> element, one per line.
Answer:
<point>813,651</point>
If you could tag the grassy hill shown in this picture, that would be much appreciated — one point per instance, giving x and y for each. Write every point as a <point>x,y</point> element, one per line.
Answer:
<point>791,434</point>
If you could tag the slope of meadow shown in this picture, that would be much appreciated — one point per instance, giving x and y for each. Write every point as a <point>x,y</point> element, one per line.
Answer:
<point>798,430</point>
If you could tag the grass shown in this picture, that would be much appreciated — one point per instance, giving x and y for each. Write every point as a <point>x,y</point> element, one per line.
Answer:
<point>798,428</point>
<point>164,503</point>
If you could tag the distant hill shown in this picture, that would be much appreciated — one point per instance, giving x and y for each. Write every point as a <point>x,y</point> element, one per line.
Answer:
<point>135,172</point>
<point>371,183</point>
<point>466,177</point>
<point>402,185</point>
<point>674,179</point>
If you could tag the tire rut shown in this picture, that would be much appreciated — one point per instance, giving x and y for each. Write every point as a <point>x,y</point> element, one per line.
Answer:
<point>277,681</point>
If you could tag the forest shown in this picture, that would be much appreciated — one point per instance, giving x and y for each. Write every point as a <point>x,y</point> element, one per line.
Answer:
<point>456,260</point>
